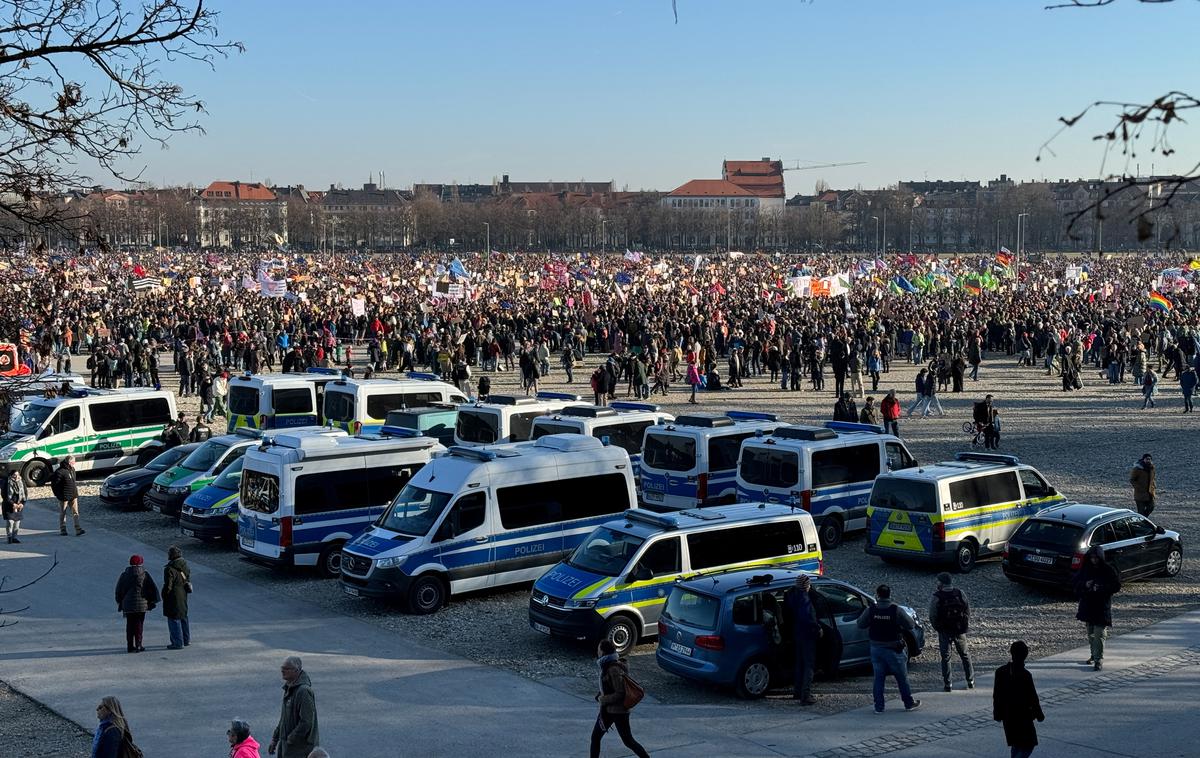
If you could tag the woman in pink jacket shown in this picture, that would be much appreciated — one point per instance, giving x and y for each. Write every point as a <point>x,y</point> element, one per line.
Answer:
<point>241,744</point>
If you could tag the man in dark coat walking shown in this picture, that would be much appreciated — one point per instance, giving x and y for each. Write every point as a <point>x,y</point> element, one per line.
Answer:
<point>1095,583</point>
<point>176,586</point>
<point>1015,703</point>
<point>296,734</point>
<point>66,492</point>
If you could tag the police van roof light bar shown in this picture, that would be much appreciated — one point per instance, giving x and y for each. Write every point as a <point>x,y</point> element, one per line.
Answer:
<point>557,396</point>
<point>653,519</point>
<point>851,426</point>
<point>472,452</point>
<point>752,416</point>
<point>623,406</point>
<point>423,376</point>
<point>1010,460</point>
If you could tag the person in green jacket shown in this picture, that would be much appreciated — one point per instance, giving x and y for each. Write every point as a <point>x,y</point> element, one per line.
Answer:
<point>296,734</point>
<point>175,588</point>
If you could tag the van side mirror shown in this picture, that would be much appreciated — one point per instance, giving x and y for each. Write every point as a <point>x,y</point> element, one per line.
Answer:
<point>1159,530</point>
<point>639,574</point>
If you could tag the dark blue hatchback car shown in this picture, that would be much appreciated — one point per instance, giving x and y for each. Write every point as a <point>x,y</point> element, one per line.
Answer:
<point>716,628</point>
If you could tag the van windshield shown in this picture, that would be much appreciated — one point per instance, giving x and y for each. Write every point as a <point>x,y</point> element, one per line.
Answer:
<point>475,425</point>
<point>260,492</point>
<point>605,552</point>
<point>205,457</point>
<point>669,452</point>
<point>243,401</point>
<point>30,418</point>
<point>771,468</point>
<point>230,477</point>
<point>904,495</point>
<point>414,511</point>
<point>339,406</point>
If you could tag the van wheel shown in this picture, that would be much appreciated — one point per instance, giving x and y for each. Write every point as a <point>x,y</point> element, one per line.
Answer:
<point>147,454</point>
<point>964,557</point>
<point>35,473</point>
<point>754,679</point>
<point>426,595</point>
<point>830,532</point>
<point>330,562</point>
<point>622,632</point>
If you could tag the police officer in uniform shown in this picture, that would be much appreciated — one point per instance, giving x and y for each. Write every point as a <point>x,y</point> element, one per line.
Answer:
<point>886,623</point>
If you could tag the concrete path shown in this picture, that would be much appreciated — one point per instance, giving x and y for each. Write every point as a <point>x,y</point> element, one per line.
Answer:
<point>381,694</point>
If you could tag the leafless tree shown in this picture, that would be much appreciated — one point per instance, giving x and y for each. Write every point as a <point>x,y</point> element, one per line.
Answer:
<point>5,590</point>
<point>83,80</point>
<point>1135,125</point>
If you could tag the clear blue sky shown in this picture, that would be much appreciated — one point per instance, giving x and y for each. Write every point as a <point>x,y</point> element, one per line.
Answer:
<point>465,90</point>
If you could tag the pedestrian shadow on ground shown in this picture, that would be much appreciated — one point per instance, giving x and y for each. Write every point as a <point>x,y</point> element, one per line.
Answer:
<point>82,653</point>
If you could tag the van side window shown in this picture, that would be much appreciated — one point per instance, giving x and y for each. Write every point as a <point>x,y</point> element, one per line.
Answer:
<point>1035,486</point>
<point>106,416</point>
<point>298,400</point>
<point>331,491</point>
<point>385,482</point>
<point>527,505</point>
<point>662,558</point>
<point>723,451</point>
<point>66,420</point>
<point>597,496</point>
<point>520,426</point>
<point>845,465</point>
<point>467,514</point>
<point>898,458</point>
<point>979,491</point>
<point>149,412</point>
<point>746,610</point>
<point>720,547</point>
<point>627,436</point>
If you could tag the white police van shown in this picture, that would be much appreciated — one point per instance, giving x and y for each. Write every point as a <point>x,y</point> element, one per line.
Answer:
<point>826,470</point>
<point>623,424</point>
<point>506,418</point>
<point>306,493</point>
<point>615,584</point>
<point>692,461</point>
<point>954,511</point>
<point>277,401</point>
<point>361,406</point>
<point>485,517</point>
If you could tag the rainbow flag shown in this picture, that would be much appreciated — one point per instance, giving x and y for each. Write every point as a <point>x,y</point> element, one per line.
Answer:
<point>1160,302</point>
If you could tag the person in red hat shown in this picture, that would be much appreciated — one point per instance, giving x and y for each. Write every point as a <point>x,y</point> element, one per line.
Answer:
<point>136,594</point>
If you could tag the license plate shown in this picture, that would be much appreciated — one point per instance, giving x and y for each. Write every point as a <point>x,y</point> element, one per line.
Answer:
<point>248,542</point>
<point>540,627</point>
<point>1040,559</point>
<point>900,527</point>
<point>351,591</point>
<point>654,496</point>
<point>675,647</point>
<point>188,532</point>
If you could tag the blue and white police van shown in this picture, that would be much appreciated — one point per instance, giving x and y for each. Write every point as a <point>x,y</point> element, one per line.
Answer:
<point>484,517</point>
<point>506,418</point>
<point>304,494</point>
<point>623,424</point>
<point>692,461</point>
<point>826,470</point>
<point>361,406</point>
<point>616,582</point>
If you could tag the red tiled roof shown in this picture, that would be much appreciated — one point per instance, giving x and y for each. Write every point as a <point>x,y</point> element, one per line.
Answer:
<point>237,191</point>
<point>761,178</point>
<point>709,188</point>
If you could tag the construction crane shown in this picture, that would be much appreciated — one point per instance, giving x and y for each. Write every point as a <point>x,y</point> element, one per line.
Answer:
<point>799,167</point>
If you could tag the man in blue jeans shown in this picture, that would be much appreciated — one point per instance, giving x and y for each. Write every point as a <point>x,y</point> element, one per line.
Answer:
<point>886,623</point>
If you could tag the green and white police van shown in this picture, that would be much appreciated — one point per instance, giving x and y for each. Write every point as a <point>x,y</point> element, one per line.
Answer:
<point>103,429</point>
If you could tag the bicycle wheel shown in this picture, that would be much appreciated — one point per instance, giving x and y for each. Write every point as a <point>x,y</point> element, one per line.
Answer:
<point>968,427</point>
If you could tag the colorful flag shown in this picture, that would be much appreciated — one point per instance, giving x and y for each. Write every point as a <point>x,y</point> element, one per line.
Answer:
<point>903,284</point>
<point>1160,302</point>
<point>1004,258</point>
<point>1194,264</point>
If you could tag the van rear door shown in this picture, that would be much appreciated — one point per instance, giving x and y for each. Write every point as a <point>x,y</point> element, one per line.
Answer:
<point>669,470</point>
<point>260,525</point>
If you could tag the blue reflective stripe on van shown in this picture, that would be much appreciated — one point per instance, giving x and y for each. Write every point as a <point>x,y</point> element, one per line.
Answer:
<point>315,527</point>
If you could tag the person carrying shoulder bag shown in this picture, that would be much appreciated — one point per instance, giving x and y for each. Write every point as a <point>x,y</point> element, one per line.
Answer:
<point>177,585</point>
<point>614,699</point>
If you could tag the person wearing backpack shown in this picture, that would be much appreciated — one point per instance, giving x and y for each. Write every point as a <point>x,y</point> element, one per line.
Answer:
<point>950,615</point>
<point>613,699</point>
<point>112,738</point>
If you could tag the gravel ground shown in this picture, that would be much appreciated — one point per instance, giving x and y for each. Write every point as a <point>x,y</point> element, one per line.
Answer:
<point>1083,442</point>
<point>32,730</point>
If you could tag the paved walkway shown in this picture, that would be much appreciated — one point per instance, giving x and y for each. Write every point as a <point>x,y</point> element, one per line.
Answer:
<point>381,694</point>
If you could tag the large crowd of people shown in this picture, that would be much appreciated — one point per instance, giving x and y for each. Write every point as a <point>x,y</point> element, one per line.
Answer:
<point>708,321</point>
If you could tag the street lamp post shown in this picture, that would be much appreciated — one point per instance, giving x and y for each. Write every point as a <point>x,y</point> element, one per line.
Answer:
<point>1020,246</point>
<point>883,234</point>
<point>487,244</point>
<point>603,236</point>
<point>876,220</point>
